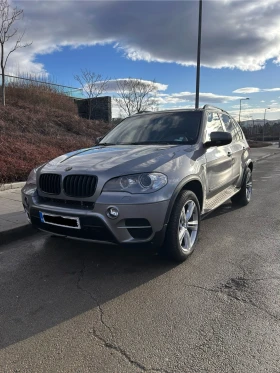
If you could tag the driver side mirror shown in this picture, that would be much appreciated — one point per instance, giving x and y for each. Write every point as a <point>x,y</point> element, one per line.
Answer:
<point>98,139</point>
<point>218,139</point>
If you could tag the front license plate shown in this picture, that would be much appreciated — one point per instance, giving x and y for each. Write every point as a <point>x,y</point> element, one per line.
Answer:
<point>60,221</point>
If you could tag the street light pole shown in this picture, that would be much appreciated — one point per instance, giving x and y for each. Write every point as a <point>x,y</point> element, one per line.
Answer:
<point>247,98</point>
<point>198,56</point>
<point>264,120</point>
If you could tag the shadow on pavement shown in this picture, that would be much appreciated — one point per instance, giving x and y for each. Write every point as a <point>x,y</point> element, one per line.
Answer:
<point>49,280</point>
<point>226,208</point>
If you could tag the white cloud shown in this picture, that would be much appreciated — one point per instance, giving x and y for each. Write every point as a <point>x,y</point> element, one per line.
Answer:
<point>236,34</point>
<point>238,106</point>
<point>186,99</point>
<point>255,90</point>
<point>272,100</point>
<point>257,113</point>
<point>210,98</point>
<point>174,107</point>
<point>112,85</point>
<point>247,90</point>
<point>262,100</point>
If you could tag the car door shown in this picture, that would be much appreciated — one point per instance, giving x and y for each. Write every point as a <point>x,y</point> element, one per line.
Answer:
<point>237,147</point>
<point>218,158</point>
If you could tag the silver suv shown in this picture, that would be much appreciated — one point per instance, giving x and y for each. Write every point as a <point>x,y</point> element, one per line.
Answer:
<point>149,180</point>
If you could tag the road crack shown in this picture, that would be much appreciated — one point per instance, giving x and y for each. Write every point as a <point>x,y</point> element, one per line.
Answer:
<point>110,344</point>
<point>234,289</point>
<point>100,309</point>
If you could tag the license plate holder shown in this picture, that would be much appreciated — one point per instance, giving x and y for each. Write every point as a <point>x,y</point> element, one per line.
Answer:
<point>60,220</point>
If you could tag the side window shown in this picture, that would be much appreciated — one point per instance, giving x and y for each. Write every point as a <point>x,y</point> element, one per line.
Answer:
<point>238,130</point>
<point>213,124</point>
<point>230,126</point>
<point>227,122</point>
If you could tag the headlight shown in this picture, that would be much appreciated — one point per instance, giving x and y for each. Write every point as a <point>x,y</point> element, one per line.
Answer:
<point>32,177</point>
<point>139,183</point>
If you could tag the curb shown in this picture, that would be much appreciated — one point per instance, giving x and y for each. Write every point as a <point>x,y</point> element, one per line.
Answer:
<point>17,233</point>
<point>12,186</point>
<point>266,156</point>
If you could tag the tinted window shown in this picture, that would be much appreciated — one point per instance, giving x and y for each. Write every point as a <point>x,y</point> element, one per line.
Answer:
<point>213,124</point>
<point>233,127</point>
<point>176,127</point>
<point>230,126</point>
<point>240,134</point>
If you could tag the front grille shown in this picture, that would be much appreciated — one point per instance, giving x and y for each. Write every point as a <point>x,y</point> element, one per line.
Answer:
<point>73,204</point>
<point>79,185</point>
<point>50,183</point>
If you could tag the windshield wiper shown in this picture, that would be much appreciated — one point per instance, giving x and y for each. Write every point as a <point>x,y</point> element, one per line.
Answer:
<point>106,144</point>
<point>153,143</point>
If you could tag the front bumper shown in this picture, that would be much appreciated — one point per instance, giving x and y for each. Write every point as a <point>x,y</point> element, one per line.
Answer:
<point>136,223</point>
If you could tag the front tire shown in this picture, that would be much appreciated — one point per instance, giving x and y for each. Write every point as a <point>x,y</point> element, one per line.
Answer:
<point>243,197</point>
<point>183,227</point>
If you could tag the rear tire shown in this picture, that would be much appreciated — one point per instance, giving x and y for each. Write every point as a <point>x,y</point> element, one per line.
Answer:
<point>183,227</point>
<point>243,197</point>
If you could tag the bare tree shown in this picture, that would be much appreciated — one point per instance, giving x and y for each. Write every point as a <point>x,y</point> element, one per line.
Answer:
<point>136,95</point>
<point>94,85</point>
<point>8,17</point>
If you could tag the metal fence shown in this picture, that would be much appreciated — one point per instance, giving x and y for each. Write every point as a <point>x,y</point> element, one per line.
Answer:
<point>23,81</point>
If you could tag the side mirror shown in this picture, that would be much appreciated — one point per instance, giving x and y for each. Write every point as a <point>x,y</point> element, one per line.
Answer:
<point>98,139</point>
<point>218,139</point>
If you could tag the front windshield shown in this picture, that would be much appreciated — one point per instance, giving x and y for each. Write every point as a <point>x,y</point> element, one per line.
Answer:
<point>158,128</point>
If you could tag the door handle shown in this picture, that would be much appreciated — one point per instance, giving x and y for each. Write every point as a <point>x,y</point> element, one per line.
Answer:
<point>229,154</point>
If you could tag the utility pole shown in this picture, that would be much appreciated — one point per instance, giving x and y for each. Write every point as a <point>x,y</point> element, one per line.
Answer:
<point>198,56</point>
<point>264,120</point>
<point>247,98</point>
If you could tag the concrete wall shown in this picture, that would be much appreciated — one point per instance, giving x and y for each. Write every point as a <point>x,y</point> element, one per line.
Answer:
<point>101,108</point>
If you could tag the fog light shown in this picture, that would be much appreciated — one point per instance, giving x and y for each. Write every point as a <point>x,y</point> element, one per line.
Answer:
<point>112,212</point>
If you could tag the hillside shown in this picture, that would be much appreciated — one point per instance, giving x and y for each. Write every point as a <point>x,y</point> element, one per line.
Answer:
<point>37,125</point>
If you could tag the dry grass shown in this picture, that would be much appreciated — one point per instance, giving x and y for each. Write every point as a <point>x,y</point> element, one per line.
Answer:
<point>37,125</point>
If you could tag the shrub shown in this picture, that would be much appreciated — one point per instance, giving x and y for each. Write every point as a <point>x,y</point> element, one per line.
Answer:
<point>35,129</point>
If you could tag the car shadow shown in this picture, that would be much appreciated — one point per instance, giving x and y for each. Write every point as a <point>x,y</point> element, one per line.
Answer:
<point>55,279</point>
<point>49,280</point>
<point>225,208</point>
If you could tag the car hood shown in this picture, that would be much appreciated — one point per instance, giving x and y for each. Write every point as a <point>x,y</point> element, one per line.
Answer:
<point>118,159</point>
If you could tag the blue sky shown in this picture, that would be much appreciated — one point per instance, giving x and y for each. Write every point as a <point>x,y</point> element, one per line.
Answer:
<point>157,40</point>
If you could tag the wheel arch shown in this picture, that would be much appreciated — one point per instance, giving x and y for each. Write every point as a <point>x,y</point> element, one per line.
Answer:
<point>250,165</point>
<point>193,184</point>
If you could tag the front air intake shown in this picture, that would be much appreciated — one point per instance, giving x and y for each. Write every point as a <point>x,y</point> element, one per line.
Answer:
<point>139,228</point>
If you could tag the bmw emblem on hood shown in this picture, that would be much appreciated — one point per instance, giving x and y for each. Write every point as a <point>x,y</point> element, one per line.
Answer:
<point>68,168</point>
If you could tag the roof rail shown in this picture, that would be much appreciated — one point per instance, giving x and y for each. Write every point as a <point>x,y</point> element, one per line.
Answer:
<point>212,107</point>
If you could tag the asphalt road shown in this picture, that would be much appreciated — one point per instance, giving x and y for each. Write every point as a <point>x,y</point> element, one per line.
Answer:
<point>67,306</point>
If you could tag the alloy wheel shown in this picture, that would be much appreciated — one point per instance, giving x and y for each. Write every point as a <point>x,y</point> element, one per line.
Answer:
<point>249,186</point>
<point>188,226</point>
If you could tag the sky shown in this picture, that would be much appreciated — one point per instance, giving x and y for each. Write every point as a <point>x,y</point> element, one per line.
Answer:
<point>240,53</point>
